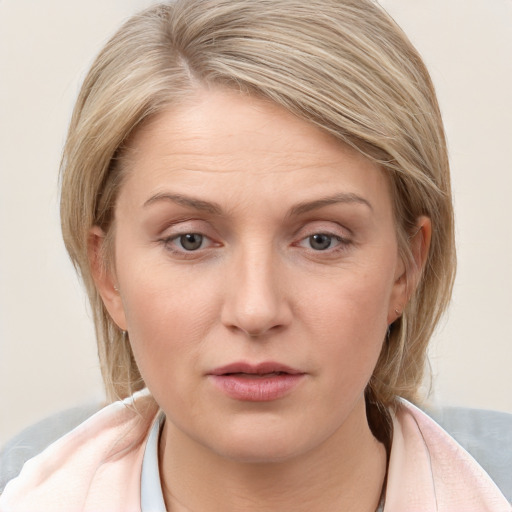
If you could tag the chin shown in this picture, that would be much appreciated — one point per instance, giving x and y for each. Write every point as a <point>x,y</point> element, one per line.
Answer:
<point>265,443</point>
<point>263,451</point>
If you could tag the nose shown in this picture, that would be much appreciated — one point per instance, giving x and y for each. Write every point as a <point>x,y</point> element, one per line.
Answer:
<point>255,295</point>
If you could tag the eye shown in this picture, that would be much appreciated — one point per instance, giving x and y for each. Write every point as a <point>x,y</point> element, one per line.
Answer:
<point>191,241</point>
<point>187,242</point>
<point>321,241</point>
<point>325,243</point>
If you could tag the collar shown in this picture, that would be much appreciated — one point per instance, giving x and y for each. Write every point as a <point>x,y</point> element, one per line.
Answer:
<point>151,496</point>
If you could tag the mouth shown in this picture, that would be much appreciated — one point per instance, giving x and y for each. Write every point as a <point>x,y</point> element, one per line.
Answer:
<point>257,375</point>
<point>262,382</point>
<point>269,369</point>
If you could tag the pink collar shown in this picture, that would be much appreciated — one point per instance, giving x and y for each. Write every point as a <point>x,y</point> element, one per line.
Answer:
<point>429,471</point>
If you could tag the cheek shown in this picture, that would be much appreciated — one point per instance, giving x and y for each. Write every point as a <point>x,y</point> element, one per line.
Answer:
<point>349,320</point>
<point>355,303</point>
<point>168,314</point>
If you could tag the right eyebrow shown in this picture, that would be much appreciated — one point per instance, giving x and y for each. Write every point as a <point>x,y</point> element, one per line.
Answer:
<point>187,201</point>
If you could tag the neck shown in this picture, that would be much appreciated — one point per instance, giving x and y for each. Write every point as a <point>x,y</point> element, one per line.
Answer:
<point>345,473</point>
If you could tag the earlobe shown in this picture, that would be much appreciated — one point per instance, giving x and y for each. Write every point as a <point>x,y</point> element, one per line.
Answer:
<point>104,277</point>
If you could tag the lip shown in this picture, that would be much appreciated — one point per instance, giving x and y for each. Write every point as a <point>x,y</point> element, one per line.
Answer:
<point>262,382</point>
<point>256,369</point>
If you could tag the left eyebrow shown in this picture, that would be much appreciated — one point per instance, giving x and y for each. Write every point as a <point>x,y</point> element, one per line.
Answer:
<point>189,202</point>
<point>346,198</point>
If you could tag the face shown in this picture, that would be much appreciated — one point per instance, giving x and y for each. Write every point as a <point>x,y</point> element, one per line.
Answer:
<point>257,267</point>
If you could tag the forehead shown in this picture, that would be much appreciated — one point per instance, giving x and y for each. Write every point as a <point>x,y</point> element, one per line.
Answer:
<point>222,141</point>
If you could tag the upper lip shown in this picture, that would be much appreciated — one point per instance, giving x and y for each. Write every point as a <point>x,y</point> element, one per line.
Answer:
<point>256,369</point>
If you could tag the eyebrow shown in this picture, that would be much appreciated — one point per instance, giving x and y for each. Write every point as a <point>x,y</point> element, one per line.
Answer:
<point>301,208</point>
<point>190,202</point>
<point>346,198</point>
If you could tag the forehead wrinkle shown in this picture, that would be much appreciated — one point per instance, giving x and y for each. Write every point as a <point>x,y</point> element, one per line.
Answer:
<point>199,153</point>
<point>227,162</point>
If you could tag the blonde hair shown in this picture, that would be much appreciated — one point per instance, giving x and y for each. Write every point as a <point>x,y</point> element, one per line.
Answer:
<point>343,65</point>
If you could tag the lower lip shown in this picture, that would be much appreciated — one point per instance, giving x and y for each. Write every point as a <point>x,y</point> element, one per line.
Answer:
<point>257,389</point>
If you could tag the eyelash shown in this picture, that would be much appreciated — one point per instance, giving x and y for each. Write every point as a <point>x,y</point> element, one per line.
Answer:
<point>169,244</point>
<point>341,244</point>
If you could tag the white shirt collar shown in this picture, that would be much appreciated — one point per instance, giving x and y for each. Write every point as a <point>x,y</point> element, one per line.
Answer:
<point>151,496</point>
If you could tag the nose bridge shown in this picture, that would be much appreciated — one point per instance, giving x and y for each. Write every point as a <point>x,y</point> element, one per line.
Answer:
<point>255,302</point>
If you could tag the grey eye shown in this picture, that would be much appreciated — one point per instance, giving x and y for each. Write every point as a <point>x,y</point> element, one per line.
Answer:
<point>320,241</point>
<point>191,241</point>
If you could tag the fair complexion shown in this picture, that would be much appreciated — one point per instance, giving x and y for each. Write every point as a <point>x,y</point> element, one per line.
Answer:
<point>247,237</point>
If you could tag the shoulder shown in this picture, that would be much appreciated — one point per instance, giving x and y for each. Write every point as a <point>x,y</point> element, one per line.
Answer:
<point>486,435</point>
<point>32,440</point>
<point>87,466</point>
<point>427,464</point>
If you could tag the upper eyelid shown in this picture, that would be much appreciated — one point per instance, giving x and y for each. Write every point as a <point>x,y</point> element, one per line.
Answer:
<point>319,226</point>
<point>184,226</point>
<point>310,227</point>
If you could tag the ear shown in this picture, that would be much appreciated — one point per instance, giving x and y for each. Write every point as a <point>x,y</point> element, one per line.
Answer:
<point>408,276</point>
<point>104,277</point>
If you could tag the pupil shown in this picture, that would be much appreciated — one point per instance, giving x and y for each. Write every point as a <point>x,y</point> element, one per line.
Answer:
<point>191,241</point>
<point>320,242</point>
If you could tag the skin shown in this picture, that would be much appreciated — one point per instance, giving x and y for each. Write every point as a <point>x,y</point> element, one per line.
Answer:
<point>256,289</point>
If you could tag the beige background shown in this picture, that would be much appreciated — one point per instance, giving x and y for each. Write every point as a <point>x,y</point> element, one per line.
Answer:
<point>47,351</point>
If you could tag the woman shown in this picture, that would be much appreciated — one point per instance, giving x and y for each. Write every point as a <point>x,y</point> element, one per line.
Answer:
<point>257,197</point>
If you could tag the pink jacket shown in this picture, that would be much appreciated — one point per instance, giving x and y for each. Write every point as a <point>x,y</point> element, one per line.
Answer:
<point>97,467</point>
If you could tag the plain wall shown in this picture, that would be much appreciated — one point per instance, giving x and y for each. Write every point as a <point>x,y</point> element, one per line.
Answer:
<point>47,348</point>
